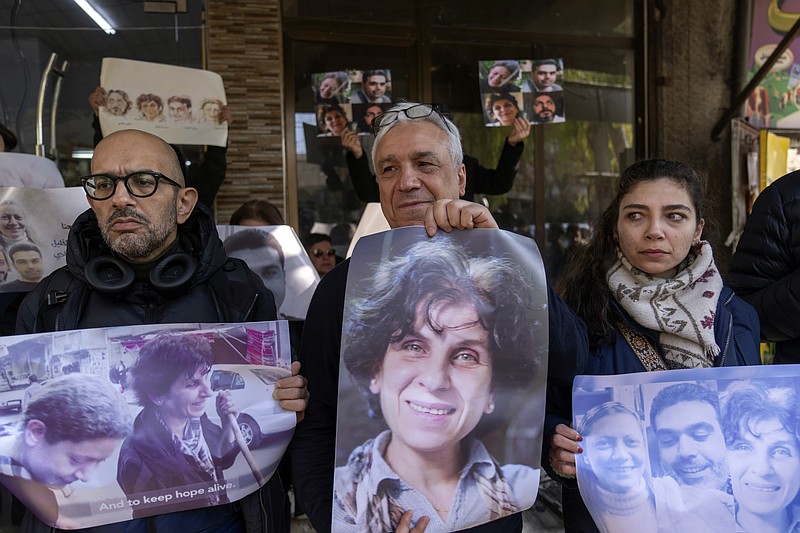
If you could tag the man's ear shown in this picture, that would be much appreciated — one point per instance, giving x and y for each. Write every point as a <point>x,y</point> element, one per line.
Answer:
<point>35,431</point>
<point>462,180</point>
<point>187,199</point>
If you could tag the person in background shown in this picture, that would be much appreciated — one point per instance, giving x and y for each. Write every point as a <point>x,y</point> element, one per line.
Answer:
<point>651,298</point>
<point>33,386</point>
<point>480,180</point>
<point>257,213</point>
<point>320,249</point>
<point>765,268</point>
<point>8,141</point>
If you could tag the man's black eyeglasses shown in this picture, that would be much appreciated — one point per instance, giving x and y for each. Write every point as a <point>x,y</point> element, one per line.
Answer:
<point>413,112</point>
<point>140,184</point>
<point>316,252</point>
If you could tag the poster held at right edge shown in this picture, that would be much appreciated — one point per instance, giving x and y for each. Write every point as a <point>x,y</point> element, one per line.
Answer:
<point>695,450</point>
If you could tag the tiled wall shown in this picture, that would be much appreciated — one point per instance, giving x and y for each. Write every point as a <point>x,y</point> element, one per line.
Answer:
<point>244,47</point>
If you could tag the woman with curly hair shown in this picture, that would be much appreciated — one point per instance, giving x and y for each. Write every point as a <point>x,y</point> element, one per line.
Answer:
<point>435,344</point>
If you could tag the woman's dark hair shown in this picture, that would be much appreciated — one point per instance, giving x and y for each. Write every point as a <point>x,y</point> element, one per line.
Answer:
<point>9,139</point>
<point>333,108</point>
<point>509,64</point>
<point>583,283</point>
<point>313,238</point>
<point>492,98</point>
<point>430,274</point>
<point>164,359</point>
<point>259,210</point>
<point>752,402</point>
<point>149,97</point>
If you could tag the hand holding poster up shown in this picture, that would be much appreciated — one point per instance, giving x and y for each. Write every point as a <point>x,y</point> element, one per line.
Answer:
<point>181,105</point>
<point>442,376</point>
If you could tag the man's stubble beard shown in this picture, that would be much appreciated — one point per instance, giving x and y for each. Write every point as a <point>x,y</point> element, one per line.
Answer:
<point>135,246</point>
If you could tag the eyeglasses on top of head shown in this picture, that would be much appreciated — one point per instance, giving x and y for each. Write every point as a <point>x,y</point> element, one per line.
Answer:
<point>316,252</point>
<point>140,184</point>
<point>412,112</point>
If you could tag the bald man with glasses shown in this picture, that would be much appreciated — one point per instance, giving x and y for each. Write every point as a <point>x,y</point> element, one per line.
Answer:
<point>146,253</point>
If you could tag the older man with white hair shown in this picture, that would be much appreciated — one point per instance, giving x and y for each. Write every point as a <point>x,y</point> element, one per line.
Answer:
<point>420,174</point>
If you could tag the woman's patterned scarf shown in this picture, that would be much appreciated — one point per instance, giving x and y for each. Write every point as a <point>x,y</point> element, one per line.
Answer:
<point>680,309</point>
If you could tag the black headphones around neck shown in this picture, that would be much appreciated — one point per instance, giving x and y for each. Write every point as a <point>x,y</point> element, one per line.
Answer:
<point>113,277</point>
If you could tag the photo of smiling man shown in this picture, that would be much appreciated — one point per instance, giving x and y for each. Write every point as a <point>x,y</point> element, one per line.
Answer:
<point>437,341</point>
<point>686,421</point>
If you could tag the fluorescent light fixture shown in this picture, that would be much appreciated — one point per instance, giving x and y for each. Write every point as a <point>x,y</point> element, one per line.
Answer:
<point>96,17</point>
<point>82,154</point>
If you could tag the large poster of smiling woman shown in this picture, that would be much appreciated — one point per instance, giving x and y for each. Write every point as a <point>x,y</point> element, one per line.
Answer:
<point>698,450</point>
<point>181,105</point>
<point>108,424</point>
<point>442,380</point>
